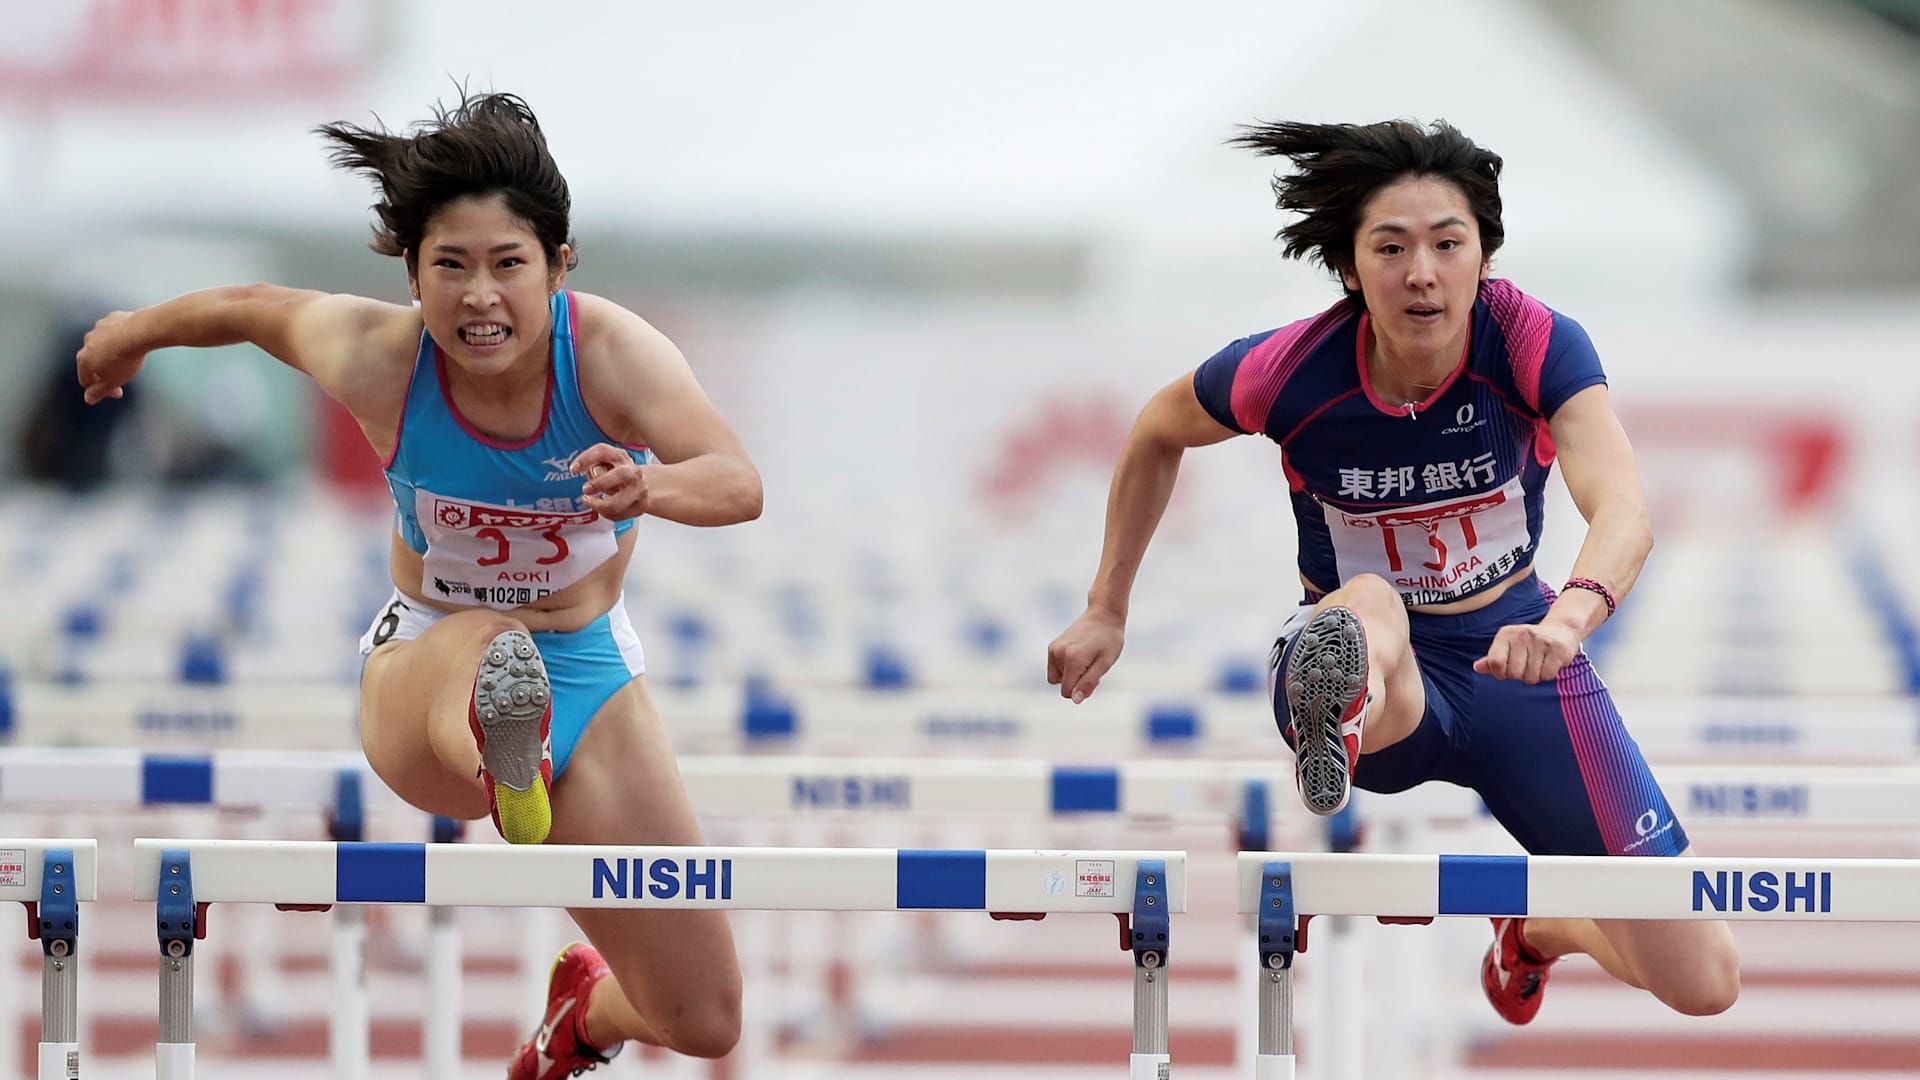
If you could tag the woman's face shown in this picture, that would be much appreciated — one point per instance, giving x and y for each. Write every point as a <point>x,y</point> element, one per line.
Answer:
<point>1417,260</point>
<point>484,285</point>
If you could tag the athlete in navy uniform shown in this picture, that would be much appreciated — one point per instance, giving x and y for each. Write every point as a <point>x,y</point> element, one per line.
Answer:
<point>1417,421</point>
<point>522,428</point>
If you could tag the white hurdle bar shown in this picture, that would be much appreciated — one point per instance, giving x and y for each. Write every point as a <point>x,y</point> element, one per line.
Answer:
<point>1024,787</point>
<point>183,876</point>
<point>67,776</point>
<point>52,878</point>
<point>723,719</point>
<point>1031,789</point>
<point>1284,889</point>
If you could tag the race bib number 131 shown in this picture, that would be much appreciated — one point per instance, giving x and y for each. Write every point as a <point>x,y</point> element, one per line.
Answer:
<point>1434,552</point>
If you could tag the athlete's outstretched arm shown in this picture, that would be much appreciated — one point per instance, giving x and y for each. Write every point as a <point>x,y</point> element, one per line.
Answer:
<point>640,390</point>
<point>1597,461</point>
<point>1172,421</point>
<point>339,341</point>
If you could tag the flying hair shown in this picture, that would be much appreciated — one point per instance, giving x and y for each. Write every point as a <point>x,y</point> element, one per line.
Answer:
<point>488,144</point>
<point>1338,168</point>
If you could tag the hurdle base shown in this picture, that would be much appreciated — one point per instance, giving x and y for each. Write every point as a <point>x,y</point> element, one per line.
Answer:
<point>1149,1066</point>
<point>173,1061</point>
<point>1273,1067</point>
<point>59,1061</point>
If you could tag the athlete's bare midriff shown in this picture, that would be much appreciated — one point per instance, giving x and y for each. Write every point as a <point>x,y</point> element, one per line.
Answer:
<point>1464,604</point>
<point>567,609</point>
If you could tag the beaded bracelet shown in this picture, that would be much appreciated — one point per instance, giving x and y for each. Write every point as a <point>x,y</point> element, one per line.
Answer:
<point>1594,587</point>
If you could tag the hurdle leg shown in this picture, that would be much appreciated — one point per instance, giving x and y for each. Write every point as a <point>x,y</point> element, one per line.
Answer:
<point>9,1004</point>
<point>1150,932</point>
<point>1344,1042</point>
<point>174,907</point>
<point>59,933</point>
<point>440,1039</point>
<point>1275,941</point>
<point>348,1035</point>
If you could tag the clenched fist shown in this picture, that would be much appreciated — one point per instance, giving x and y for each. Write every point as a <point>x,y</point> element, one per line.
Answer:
<point>1078,658</point>
<point>109,358</point>
<point>615,485</point>
<point>1531,653</point>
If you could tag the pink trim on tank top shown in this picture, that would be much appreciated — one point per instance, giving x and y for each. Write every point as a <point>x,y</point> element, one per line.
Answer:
<point>573,343</point>
<point>1366,382</point>
<point>1268,366</point>
<point>399,429</point>
<point>1337,399</point>
<point>1295,482</point>
<point>474,433</point>
<point>1527,325</point>
<point>1543,449</point>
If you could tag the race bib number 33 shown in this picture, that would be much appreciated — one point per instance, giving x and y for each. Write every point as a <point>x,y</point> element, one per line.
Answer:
<point>506,556</point>
<point>1435,552</point>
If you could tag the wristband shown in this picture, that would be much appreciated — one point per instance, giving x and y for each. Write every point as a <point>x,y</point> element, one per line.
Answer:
<point>1592,586</point>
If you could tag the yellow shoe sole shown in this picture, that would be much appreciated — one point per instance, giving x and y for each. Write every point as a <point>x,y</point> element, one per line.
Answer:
<point>525,816</point>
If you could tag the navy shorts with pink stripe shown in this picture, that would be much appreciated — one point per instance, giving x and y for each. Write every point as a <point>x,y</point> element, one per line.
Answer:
<point>1552,761</point>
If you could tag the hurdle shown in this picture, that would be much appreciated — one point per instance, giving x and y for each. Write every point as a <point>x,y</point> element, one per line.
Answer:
<point>339,784</point>
<point>1734,795</point>
<point>182,877</point>
<point>53,878</point>
<point>1283,890</point>
<point>843,788</point>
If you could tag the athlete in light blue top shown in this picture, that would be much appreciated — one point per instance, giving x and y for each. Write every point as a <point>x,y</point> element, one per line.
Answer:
<point>1417,419</point>
<point>522,428</point>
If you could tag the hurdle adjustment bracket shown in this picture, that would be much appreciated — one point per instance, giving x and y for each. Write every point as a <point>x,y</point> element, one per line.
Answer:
<point>180,921</point>
<point>1277,929</point>
<point>55,920</point>
<point>1149,939</point>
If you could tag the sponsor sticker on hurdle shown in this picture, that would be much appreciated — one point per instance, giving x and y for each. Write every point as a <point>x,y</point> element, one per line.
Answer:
<point>13,867</point>
<point>1093,877</point>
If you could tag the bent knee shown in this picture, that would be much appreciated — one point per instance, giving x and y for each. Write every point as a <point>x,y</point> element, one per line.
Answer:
<point>484,623</point>
<point>1707,988</point>
<point>1376,602</point>
<point>708,1030</point>
<point>1371,590</point>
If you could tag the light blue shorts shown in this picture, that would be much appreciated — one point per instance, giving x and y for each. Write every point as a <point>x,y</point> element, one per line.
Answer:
<point>585,666</point>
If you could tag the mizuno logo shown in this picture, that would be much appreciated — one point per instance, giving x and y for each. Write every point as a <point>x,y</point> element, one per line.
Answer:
<point>559,468</point>
<point>541,1040</point>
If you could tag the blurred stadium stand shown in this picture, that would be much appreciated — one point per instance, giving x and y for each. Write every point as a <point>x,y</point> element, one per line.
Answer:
<point>1004,225</point>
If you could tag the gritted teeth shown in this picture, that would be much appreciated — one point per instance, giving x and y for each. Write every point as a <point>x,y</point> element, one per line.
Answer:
<point>484,333</point>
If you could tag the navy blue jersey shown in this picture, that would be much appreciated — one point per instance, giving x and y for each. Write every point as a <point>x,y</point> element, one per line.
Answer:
<point>1442,498</point>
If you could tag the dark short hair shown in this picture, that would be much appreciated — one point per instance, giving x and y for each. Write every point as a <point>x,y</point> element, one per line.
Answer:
<point>1340,167</point>
<point>490,144</point>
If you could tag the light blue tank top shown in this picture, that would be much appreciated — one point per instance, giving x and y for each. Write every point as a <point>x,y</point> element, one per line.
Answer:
<point>499,524</point>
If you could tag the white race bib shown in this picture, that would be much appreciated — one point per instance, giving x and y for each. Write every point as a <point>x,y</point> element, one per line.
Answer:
<point>1435,552</point>
<point>506,557</point>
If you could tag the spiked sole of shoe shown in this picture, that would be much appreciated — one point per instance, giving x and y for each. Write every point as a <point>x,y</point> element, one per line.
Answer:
<point>1327,671</point>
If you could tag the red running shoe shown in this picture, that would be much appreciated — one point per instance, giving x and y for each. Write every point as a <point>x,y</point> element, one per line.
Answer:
<point>511,714</point>
<point>1512,974</point>
<point>559,1049</point>
<point>1326,683</point>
